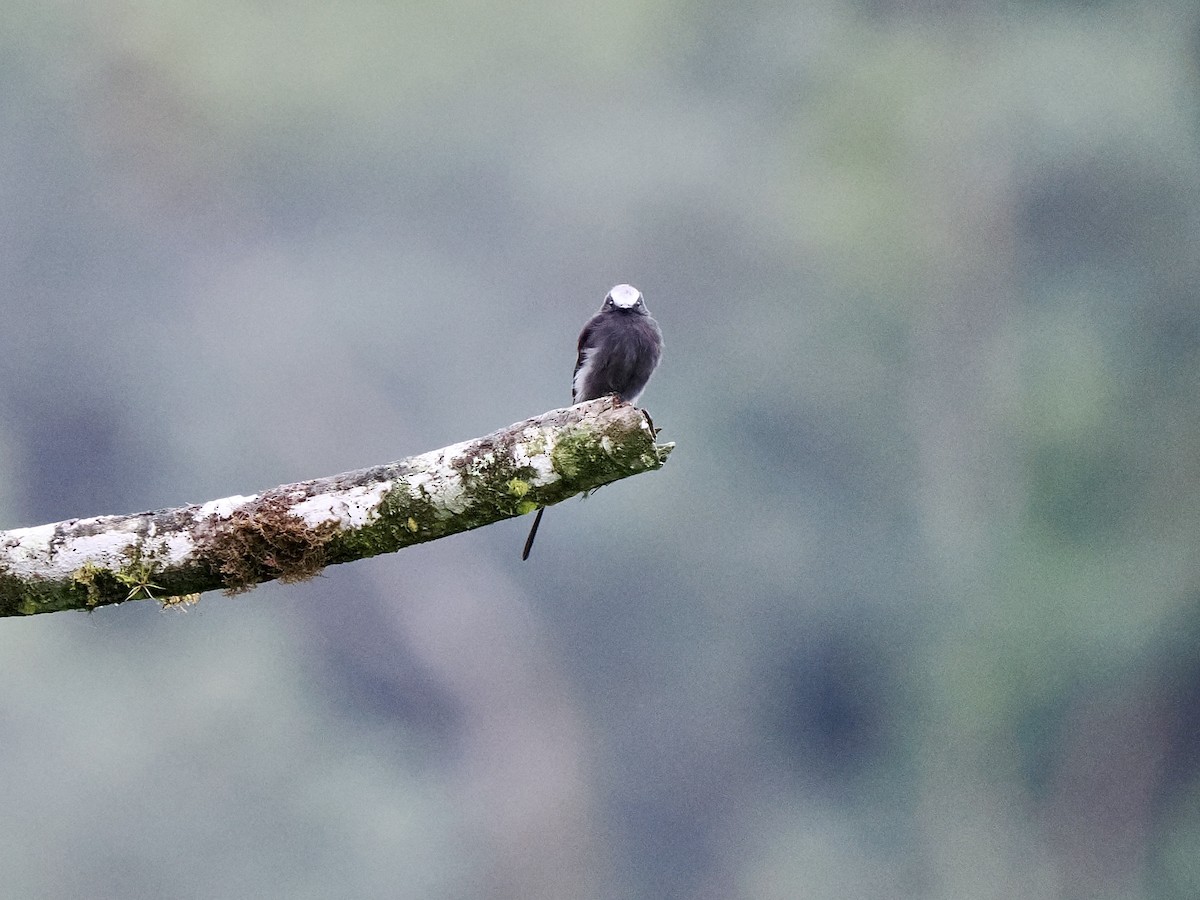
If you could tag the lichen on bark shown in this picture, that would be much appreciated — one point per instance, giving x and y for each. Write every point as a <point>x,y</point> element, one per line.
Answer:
<point>292,532</point>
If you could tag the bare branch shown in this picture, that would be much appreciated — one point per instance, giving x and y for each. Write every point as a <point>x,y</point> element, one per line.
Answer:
<point>291,532</point>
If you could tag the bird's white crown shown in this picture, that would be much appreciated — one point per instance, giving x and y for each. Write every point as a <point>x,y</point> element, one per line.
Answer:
<point>625,296</point>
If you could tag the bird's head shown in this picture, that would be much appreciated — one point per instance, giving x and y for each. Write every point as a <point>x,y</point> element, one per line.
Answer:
<point>624,298</point>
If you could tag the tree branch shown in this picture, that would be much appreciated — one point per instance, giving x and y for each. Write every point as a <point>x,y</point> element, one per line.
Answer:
<point>290,533</point>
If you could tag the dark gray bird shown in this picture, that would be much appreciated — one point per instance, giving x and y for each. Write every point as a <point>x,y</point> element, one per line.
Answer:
<point>619,349</point>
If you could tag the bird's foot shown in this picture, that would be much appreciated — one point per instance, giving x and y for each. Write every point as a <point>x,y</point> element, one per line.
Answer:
<point>649,420</point>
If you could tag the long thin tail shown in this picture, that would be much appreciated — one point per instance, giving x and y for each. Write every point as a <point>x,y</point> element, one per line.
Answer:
<point>532,534</point>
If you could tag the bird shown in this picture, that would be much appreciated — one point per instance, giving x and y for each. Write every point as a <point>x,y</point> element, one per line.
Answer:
<point>619,349</point>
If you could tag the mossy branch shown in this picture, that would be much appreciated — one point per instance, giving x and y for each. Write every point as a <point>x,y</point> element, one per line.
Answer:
<point>290,533</point>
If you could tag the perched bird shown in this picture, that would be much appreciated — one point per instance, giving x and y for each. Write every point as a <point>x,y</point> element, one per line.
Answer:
<point>619,349</point>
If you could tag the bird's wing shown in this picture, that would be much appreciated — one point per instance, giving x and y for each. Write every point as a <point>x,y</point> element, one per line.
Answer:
<point>585,339</point>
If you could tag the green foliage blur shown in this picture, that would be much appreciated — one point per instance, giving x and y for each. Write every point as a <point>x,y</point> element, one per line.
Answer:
<point>912,611</point>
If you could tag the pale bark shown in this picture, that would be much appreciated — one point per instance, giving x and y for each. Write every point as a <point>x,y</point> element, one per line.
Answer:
<point>293,531</point>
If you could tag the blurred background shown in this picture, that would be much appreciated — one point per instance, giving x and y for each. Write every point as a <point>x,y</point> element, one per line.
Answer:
<point>912,611</point>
